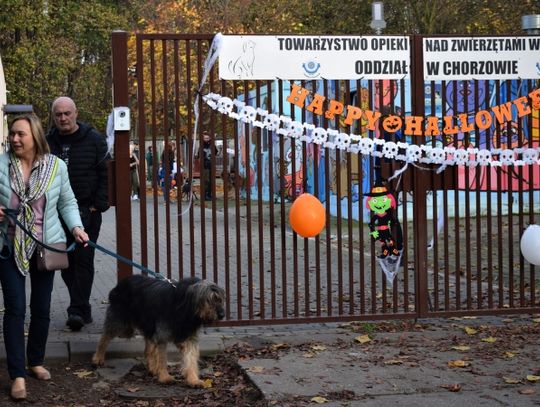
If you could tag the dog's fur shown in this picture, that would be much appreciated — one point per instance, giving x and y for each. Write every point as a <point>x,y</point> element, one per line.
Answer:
<point>162,313</point>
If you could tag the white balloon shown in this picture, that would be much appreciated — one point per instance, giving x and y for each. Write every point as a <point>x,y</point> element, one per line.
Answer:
<point>530,244</point>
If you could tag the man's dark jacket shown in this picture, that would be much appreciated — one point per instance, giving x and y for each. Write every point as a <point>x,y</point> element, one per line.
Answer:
<point>87,164</point>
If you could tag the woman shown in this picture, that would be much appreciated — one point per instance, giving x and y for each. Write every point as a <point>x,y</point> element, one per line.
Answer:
<point>36,183</point>
<point>134,172</point>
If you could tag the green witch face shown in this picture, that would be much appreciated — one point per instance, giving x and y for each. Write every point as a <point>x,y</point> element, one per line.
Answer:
<point>379,204</point>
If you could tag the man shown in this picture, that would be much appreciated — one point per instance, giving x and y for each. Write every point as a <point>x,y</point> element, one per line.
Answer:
<point>207,149</point>
<point>84,150</point>
<point>149,164</point>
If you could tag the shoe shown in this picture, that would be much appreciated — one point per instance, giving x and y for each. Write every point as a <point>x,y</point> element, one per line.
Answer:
<point>40,373</point>
<point>75,322</point>
<point>18,389</point>
<point>135,198</point>
<point>88,320</point>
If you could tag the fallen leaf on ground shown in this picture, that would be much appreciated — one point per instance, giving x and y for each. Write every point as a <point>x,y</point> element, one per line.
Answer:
<point>533,378</point>
<point>452,387</point>
<point>81,374</point>
<point>527,391</point>
<point>461,348</point>
<point>318,348</point>
<point>511,380</point>
<point>308,355</point>
<point>207,383</point>
<point>489,339</point>
<point>363,339</point>
<point>537,320</point>
<point>470,331</point>
<point>509,355</point>
<point>393,362</point>
<point>132,389</point>
<point>255,369</point>
<point>470,317</point>
<point>458,363</point>
<point>319,400</point>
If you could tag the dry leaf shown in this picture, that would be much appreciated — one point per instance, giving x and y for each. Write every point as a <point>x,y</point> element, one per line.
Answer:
<point>509,355</point>
<point>533,378</point>
<point>461,348</point>
<point>81,374</point>
<point>308,355</point>
<point>470,331</point>
<point>458,363</point>
<point>511,380</point>
<point>393,362</point>
<point>527,391</point>
<point>319,400</point>
<point>278,346</point>
<point>452,387</point>
<point>207,383</point>
<point>132,389</point>
<point>363,339</point>
<point>489,339</point>
<point>318,348</point>
<point>470,317</point>
<point>537,320</point>
<point>255,369</point>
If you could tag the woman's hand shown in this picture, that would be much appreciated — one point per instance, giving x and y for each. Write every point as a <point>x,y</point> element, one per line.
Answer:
<point>80,235</point>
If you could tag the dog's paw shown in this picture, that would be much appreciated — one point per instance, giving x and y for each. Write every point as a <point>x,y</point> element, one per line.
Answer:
<point>195,382</point>
<point>98,360</point>
<point>166,379</point>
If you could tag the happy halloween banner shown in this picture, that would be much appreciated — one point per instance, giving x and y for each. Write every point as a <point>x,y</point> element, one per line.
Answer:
<point>266,57</point>
<point>414,125</point>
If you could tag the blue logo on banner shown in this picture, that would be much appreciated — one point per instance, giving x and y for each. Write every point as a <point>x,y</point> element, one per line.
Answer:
<point>311,69</point>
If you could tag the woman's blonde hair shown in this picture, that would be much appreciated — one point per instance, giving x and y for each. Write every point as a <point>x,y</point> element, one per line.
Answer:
<point>42,147</point>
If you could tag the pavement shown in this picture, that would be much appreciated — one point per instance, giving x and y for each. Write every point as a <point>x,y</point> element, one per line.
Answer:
<point>475,361</point>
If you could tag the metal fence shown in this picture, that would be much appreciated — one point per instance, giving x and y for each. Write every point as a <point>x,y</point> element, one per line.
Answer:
<point>461,227</point>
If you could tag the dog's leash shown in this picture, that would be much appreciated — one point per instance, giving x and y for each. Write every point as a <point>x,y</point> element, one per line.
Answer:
<point>12,214</point>
<point>127,261</point>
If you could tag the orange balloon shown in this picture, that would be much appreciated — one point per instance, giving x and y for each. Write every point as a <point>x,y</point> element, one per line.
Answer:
<point>307,215</point>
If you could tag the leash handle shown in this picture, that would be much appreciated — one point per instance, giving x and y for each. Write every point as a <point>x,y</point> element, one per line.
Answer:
<point>12,214</point>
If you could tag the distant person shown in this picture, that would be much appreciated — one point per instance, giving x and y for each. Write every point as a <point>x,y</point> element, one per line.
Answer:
<point>134,173</point>
<point>149,164</point>
<point>84,150</point>
<point>167,163</point>
<point>206,151</point>
<point>36,183</point>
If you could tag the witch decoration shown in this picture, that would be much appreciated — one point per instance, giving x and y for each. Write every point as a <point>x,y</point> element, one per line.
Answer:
<point>384,226</point>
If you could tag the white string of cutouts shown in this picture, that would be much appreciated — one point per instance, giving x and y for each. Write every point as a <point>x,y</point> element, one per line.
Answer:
<point>401,151</point>
<point>211,58</point>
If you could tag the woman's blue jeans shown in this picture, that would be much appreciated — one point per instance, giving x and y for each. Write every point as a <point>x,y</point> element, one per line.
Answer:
<point>14,291</point>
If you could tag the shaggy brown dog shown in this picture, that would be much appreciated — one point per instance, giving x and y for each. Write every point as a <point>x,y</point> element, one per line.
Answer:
<point>162,313</point>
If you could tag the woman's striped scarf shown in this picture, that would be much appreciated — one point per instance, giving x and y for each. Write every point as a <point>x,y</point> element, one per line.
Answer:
<point>42,173</point>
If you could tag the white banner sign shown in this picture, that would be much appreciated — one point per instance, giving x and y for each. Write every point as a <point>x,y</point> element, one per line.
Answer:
<point>481,58</point>
<point>314,57</point>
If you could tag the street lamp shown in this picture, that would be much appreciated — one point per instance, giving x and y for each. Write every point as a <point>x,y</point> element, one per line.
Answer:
<point>531,23</point>
<point>377,17</point>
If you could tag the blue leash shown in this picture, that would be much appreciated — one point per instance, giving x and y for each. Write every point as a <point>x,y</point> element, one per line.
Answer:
<point>12,214</point>
<point>127,261</point>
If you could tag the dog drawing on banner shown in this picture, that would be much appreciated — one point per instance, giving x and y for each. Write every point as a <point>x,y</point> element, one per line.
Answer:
<point>163,313</point>
<point>242,66</point>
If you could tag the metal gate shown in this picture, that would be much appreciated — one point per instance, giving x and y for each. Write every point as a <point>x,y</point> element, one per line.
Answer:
<point>461,228</point>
